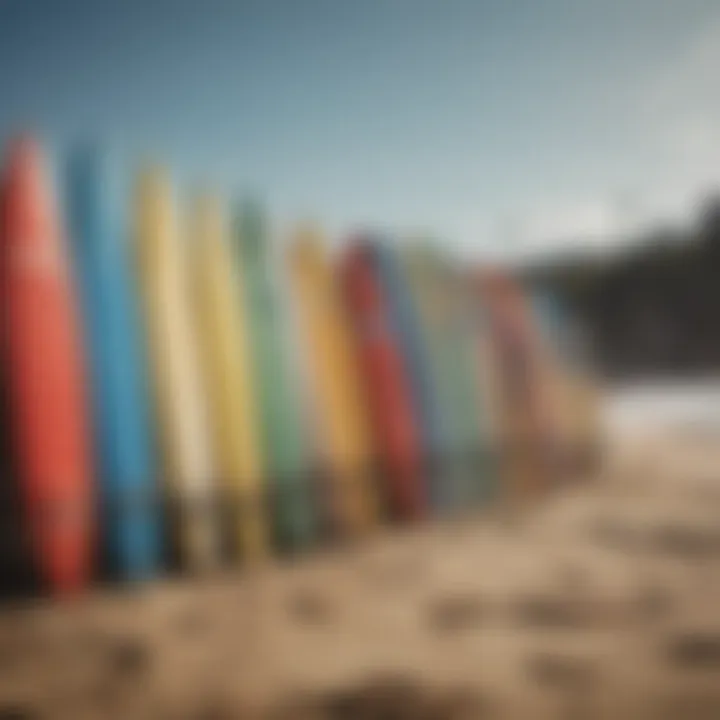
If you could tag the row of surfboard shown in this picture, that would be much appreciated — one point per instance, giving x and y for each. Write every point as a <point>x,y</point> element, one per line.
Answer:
<point>179,389</point>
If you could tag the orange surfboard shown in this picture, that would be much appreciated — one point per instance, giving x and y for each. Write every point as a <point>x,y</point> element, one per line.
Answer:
<point>343,430</point>
<point>44,368</point>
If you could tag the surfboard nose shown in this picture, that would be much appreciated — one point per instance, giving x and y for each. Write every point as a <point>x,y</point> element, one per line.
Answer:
<point>28,204</point>
<point>25,164</point>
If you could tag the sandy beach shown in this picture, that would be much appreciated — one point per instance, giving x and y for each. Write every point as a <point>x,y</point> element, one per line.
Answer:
<point>600,601</point>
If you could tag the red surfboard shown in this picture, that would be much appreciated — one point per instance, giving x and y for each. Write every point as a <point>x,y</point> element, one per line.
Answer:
<point>386,384</point>
<point>43,362</point>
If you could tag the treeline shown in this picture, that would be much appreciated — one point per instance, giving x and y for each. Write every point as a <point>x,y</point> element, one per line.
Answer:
<point>653,309</point>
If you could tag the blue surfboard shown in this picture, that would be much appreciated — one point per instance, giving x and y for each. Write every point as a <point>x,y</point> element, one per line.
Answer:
<point>406,324</point>
<point>124,454</point>
<point>465,475</point>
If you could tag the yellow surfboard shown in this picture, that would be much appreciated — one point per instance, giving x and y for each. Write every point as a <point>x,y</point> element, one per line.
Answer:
<point>227,373</point>
<point>344,438</point>
<point>174,372</point>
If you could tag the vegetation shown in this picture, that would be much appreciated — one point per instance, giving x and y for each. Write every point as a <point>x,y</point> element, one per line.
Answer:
<point>653,309</point>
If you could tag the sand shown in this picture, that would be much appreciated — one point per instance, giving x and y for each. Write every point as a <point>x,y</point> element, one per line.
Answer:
<point>600,601</point>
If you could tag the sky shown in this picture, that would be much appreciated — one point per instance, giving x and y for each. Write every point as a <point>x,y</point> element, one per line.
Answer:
<point>492,124</point>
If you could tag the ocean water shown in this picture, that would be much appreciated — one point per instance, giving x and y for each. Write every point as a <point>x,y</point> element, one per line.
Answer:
<point>652,405</point>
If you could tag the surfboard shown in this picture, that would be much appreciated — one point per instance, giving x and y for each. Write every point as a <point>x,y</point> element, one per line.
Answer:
<point>124,457</point>
<point>180,412</point>
<point>477,327</point>
<point>342,434</point>
<point>578,435</point>
<point>386,383</point>
<point>468,389</point>
<point>228,379</point>
<point>43,359</point>
<point>463,478</point>
<point>285,458</point>
<point>407,326</point>
<point>524,407</point>
<point>421,285</point>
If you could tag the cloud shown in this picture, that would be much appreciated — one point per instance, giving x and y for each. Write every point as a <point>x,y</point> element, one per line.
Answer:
<point>568,222</point>
<point>677,116</point>
<point>682,111</point>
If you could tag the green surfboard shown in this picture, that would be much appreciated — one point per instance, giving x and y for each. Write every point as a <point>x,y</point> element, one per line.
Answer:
<point>285,459</point>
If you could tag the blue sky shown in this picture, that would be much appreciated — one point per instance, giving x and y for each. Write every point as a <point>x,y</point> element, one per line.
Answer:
<point>488,122</point>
